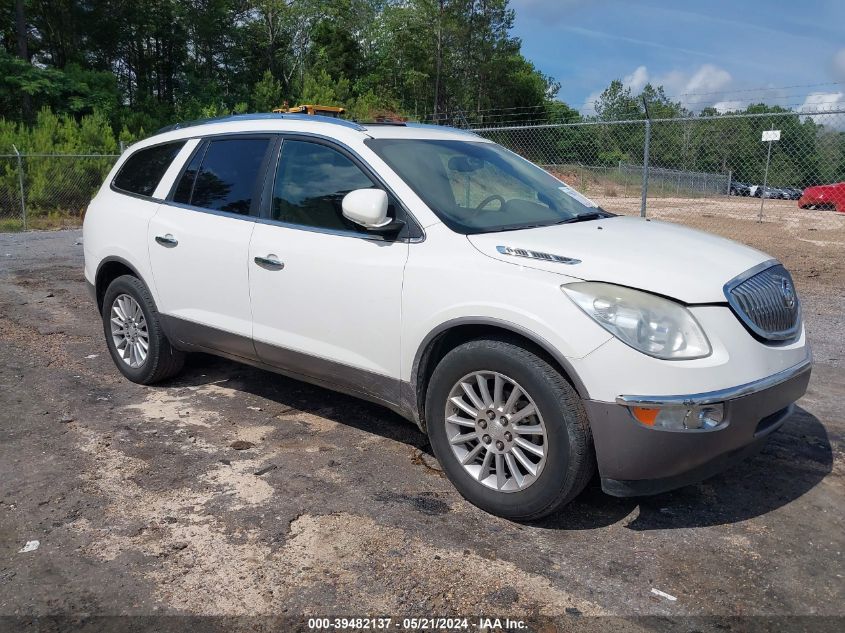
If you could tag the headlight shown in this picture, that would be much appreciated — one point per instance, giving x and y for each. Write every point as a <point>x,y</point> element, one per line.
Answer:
<point>648,323</point>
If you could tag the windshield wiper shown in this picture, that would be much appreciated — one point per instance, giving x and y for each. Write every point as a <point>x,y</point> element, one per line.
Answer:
<point>584,217</point>
<point>517,227</point>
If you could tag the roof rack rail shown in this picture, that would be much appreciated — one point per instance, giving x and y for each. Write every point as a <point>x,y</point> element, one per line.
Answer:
<point>383,122</point>
<point>432,126</point>
<point>262,116</point>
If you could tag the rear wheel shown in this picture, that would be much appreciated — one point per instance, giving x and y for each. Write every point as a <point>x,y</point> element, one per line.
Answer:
<point>134,335</point>
<point>509,431</point>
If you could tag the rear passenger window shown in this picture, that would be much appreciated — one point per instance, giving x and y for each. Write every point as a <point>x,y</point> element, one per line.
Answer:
<point>143,170</point>
<point>225,178</point>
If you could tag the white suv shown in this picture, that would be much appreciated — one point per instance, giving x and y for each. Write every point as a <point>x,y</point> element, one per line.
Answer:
<point>532,335</point>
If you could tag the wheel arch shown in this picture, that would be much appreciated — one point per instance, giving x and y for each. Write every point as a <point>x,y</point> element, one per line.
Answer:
<point>447,336</point>
<point>110,269</point>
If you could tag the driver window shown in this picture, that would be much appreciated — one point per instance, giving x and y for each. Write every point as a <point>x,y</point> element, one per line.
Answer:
<point>478,183</point>
<point>311,181</point>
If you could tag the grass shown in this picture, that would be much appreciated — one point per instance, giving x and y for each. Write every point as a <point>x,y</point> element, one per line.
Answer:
<point>47,222</point>
<point>10,225</point>
<point>608,181</point>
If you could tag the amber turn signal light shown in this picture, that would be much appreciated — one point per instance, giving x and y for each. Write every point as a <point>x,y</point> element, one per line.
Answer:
<point>644,415</point>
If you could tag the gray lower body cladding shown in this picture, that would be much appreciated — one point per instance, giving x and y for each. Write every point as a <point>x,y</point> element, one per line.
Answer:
<point>636,460</point>
<point>194,337</point>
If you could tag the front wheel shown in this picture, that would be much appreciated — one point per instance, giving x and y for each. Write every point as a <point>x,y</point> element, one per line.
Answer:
<point>508,429</point>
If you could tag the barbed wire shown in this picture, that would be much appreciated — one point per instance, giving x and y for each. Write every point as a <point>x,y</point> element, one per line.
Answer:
<point>768,88</point>
<point>725,96</point>
<point>540,123</point>
<point>554,121</point>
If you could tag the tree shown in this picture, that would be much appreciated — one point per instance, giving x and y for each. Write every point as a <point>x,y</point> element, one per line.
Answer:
<point>147,63</point>
<point>320,88</point>
<point>616,103</point>
<point>267,93</point>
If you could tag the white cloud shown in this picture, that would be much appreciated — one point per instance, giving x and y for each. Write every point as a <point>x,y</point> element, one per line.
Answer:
<point>823,101</point>
<point>589,107</point>
<point>696,90</point>
<point>729,106</point>
<point>826,102</point>
<point>839,65</point>
<point>637,80</point>
<point>708,79</point>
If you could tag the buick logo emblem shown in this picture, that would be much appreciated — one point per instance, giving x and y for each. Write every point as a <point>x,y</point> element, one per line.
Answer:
<point>788,293</point>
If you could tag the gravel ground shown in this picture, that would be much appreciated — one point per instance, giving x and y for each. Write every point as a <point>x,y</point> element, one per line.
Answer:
<point>144,510</point>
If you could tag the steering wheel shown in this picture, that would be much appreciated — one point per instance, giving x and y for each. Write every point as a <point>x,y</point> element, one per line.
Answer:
<point>488,200</point>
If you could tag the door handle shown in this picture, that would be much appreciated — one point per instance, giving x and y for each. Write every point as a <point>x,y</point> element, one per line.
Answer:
<point>167,240</point>
<point>271,262</point>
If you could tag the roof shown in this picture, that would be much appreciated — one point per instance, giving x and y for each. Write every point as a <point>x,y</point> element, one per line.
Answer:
<point>261,116</point>
<point>418,131</point>
<point>342,129</point>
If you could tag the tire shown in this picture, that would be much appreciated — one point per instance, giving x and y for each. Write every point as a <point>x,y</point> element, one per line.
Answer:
<point>162,360</point>
<point>567,443</point>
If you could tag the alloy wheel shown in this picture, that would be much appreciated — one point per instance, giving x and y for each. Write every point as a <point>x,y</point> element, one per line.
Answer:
<point>496,431</point>
<point>129,331</point>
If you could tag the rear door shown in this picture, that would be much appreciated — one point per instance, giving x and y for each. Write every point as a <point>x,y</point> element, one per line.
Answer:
<point>199,239</point>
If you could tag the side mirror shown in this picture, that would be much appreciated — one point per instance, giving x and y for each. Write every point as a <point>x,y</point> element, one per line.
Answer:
<point>368,208</point>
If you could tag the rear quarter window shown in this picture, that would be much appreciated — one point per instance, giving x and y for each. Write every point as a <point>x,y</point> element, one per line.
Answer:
<point>142,171</point>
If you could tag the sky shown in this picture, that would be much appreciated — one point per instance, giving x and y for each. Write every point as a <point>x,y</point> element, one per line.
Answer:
<point>714,53</point>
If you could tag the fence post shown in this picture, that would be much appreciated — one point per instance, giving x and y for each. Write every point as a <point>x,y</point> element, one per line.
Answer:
<point>20,183</point>
<point>765,178</point>
<point>643,201</point>
<point>730,180</point>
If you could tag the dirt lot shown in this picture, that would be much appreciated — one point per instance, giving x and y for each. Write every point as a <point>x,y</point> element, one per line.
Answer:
<point>142,508</point>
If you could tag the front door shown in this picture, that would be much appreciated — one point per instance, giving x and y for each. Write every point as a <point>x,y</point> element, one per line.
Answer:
<point>326,295</point>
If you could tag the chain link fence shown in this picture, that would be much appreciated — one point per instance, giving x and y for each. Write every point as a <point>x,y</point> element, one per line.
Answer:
<point>48,190</point>
<point>715,173</point>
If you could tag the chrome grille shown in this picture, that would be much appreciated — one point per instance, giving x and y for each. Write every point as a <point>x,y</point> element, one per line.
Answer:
<point>765,300</point>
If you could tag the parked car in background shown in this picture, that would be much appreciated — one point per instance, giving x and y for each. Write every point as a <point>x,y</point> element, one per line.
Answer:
<point>793,193</point>
<point>824,197</point>
<point>740,189</point>
<point>767,192</point>
<point>533,336</point>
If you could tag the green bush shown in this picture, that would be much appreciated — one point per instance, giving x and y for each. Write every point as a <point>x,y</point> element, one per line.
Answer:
<point>57,179</point>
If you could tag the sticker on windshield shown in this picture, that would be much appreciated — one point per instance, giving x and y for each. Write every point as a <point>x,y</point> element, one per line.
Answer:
<point>569,191</point>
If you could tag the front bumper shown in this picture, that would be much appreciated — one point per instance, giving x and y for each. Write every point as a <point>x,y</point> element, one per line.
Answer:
<point>811,200</point>
<point>637,460</point>
<point>823,200</point>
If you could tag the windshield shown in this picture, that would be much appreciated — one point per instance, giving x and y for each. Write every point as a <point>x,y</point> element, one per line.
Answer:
<point>478,187</point>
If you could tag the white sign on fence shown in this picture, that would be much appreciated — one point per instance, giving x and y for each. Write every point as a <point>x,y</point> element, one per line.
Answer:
<point>771,135</point>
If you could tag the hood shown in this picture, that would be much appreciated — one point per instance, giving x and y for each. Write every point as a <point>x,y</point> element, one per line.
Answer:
<point>820,189</point>
<point>659,257</point>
